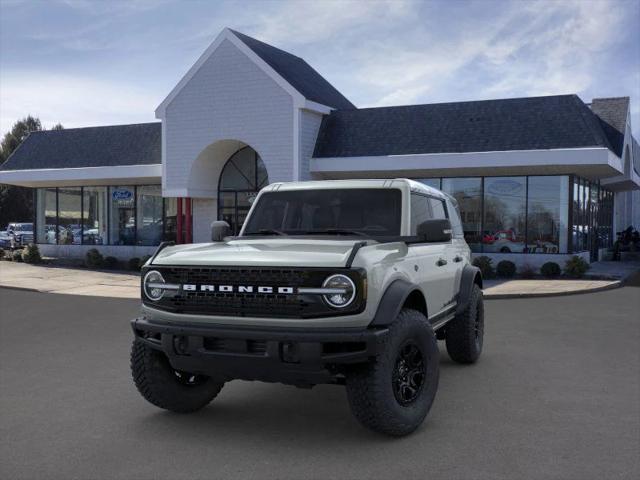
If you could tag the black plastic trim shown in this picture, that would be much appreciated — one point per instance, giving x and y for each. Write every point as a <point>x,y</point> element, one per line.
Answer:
<point>354,252</point>
<point>306,357</point>
<point>467,280</point>
<point>159,249</point>
<point>392,302</point>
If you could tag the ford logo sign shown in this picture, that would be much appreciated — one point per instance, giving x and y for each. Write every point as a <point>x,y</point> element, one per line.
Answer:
<point>122,194</point>
<point>505,187</point>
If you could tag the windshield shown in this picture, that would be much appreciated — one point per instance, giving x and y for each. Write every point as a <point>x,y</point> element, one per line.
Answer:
<point>365,212</point>
<point>22,227</point>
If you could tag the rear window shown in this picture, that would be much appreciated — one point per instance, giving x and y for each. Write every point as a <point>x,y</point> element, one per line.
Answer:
<point>371,212</point>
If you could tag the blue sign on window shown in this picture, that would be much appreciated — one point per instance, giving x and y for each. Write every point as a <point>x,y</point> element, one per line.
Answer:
<point>121,194</point>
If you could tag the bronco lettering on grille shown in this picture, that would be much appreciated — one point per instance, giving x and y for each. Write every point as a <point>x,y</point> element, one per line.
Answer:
<point>190,287</point>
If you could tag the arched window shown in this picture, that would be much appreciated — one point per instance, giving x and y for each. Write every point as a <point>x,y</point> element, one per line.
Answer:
<point>242,177</point>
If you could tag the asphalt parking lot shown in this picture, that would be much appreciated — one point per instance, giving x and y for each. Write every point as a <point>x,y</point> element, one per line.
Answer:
<point>555,395</point>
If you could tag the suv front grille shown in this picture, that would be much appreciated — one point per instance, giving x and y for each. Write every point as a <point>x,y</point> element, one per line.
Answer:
<point>252,304</point>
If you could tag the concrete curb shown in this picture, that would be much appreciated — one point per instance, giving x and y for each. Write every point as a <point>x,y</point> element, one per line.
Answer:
<point>503,296</point>
<point>25,289</point>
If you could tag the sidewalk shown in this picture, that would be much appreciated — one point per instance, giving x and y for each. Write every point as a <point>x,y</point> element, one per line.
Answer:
<point>72,281</point>
<point>77,281</point>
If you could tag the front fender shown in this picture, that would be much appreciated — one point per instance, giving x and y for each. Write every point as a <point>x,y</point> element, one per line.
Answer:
<point>391,302</point>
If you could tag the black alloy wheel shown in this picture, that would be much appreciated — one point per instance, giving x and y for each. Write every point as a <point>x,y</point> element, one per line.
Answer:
<point>408,374</point>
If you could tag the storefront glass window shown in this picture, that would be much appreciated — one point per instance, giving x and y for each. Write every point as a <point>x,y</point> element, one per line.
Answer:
<point>242,177</point>
<point>94,215</point>
<point>468,193</point>
<point>504,215</point>
<point>547,214</point>
<point>69,216</point>
<point>430,182</point>
<point>170,220</point>
<point>149,215</point>
<point>122,221</point>
<point>46,215</point>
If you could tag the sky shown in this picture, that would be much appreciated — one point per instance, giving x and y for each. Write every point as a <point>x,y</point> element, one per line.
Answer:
<point>86,63</point>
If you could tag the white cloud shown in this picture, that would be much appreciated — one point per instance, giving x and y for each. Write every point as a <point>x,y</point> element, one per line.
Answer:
<point>314,21</point>
<point>532,48</point>
<point>73,101</point>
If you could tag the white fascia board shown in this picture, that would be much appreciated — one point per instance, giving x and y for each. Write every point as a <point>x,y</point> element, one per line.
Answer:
<point>316,107</point>
<point>445,161</point>
<point>227,34</point>
<point>82,176</point>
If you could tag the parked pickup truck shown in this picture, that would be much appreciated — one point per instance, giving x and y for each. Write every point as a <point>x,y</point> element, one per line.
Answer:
<point>17,235</point>
<point>330,282</point>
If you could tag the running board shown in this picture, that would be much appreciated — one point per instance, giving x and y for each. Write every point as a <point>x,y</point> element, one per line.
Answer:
<point>442,318</point>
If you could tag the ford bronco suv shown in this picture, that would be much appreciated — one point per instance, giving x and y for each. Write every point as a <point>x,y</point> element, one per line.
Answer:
<point>346,282</point>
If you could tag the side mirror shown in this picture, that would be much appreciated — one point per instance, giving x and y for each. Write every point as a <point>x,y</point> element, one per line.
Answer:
<point>219,230</point>
<point>436,230</point>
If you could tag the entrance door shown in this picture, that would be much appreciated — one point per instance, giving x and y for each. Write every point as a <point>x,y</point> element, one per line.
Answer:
<point>242,177</point>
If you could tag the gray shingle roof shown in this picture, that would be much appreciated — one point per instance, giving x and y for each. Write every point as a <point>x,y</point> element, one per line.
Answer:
<point>532,123</point>
<point>298,73</point>
<point>114,145</point>
<point>612,113</point>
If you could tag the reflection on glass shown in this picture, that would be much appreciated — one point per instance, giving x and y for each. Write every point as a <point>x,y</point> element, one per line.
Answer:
<point>504,215</point>
<point>122,221</point>
<point>46,215</point>
<point>170,219</point>
<point>468,194</point>
<point>430,182</point>
<point>547,215</point>
<point>242,177</point>
<point>94,217</point>
<point>69,216</point>
<point>149,215</point>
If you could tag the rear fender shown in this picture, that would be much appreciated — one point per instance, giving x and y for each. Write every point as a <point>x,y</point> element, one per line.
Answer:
<point>470,276</point>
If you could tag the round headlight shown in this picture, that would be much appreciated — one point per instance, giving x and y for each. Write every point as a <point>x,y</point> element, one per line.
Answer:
<point>345,291</point>
<point>152,284</point>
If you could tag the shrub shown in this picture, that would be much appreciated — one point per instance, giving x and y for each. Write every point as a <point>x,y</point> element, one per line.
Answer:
<point>506,269</point>
<point>527,271</point>
<point>16,256</point>
<point>484,263</point>
<point>31,254</point>
<point>110,262</point>
<point>550,270</point>
<point>1,253</point>
<point>134,263</point>
<point>576,266</point>
<point>94,258</point>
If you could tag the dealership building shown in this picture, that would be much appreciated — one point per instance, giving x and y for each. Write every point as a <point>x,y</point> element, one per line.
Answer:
<point>536,178</point>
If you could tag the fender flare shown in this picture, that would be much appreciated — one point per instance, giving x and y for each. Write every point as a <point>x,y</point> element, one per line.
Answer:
<point>391,302</point>
<point>470,276</point>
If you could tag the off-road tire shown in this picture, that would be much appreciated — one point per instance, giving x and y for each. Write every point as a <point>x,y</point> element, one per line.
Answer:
<point>464,334</point>
<point>158,383</point>
<point>370,387</point>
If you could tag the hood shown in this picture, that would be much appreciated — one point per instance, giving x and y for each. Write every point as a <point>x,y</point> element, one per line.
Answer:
<point>273,252</point>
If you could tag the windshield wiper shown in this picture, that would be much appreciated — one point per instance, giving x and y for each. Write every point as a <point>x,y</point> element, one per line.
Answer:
<point>336,231</point>
<point>266,231</point>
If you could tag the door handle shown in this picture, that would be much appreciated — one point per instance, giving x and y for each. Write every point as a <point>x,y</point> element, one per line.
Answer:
<point>457,258</point>
<point>441,262</point>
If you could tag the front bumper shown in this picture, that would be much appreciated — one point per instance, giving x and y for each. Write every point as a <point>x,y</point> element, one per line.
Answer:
<point>302,358</point>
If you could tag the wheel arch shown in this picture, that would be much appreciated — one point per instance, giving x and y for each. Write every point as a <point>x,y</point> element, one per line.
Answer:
<point>398,295</point>
<point>470,276</point>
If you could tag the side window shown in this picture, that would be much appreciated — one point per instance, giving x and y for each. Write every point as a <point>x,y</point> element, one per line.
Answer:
<point>438,208</point>
<point>420,211</point>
